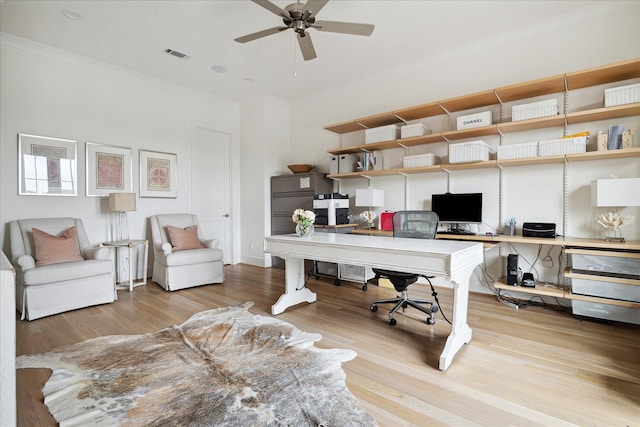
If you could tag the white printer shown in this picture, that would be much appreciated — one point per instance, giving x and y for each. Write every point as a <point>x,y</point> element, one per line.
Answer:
<point>331,209</point>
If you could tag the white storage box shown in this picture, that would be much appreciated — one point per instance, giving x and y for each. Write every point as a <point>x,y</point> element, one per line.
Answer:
<point>561,146</point>
<point>606,311</point>
<point>518,151</point>
<point>347,163</point>
<point>598,288</point>
<point>611,265</point>
<point>355,273</point>
<point>411,131</point>
<point>473,151</point>
<point>629,94</point>
<point>418,160</point>
<point>534,110</point>
<point>382,133</point>
<point>333,165</point>
<point>475,120</point>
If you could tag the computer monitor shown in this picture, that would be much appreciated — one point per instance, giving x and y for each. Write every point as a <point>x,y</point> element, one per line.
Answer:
<point>458,208</point>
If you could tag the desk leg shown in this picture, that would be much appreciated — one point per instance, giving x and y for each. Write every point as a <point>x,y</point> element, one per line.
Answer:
<point>294,292</point>
<point>460,331</point>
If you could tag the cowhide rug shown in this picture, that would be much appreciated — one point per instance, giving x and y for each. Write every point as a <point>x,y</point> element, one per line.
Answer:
<point>222,367</point>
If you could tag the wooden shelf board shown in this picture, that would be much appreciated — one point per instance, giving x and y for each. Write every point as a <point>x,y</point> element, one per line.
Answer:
<point>382,119</point>
<point>383,172</point>
<point>422,169</point>
<point>467,102</point>
<point>344,127</point>
<point>523,125</point>
<point>470,165</point>
<point>606,74</point>
<point>531,161</point>
<point>602,155</point>
<point>420,111</point>
<point>544,86</point>
<point>420,140</point>
<point>603,113</point>
<point>537,290</point>
<point>470,133</point>
<point>384,145</point>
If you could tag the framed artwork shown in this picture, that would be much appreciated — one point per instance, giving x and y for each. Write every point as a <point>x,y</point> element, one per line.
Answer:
<point>47,166</point>
<point>158,174</point>
<point>108,169</point>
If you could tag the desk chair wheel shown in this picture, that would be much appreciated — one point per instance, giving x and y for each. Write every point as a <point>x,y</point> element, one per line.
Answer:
<point>374,308</point>
<point>364,287</point>
<point>392,322</point>
<point>431,321</point>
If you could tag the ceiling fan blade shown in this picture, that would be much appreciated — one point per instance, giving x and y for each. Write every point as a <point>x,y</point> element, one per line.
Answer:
<point>272,8</point>
<point>344,27</point>
<point>314,6</point>
<point>260,34</point>
<point>306,46</point>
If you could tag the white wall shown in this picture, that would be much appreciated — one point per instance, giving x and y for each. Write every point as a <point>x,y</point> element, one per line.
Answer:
<point>600,35</point>
<point>53,93</point>
<point>265,152</point>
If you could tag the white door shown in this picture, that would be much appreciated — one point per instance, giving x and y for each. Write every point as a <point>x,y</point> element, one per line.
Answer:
<point>211,186</point>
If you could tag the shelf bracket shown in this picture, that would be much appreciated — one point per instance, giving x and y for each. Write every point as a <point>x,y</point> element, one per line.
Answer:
<point>367,177</point>
<point>399,118</point>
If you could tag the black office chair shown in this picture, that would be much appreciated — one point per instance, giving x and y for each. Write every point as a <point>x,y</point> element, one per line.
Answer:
<point>416,225</point>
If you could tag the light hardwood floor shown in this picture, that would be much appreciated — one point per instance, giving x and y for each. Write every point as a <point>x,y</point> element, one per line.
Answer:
<point>527,367</point>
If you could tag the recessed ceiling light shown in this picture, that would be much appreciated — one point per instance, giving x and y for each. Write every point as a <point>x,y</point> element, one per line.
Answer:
<point>71,14</point>
<point>220,69</point>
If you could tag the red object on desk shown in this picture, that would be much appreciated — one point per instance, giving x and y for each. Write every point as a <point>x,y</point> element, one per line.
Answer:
<point>386,221</point>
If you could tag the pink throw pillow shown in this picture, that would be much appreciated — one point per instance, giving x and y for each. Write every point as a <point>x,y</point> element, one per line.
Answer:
<point>54,249</point>
<point>186,238</point>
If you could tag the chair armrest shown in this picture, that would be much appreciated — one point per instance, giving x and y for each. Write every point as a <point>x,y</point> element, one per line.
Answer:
<point>167,248</point>
<point>26,262</point>
<point>211,244</point>
<point>96,252</point>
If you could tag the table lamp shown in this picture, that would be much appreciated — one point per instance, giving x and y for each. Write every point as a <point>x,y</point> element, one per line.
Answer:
<point>122,203</point>
<point>369,197</point>
<point>616,193</point>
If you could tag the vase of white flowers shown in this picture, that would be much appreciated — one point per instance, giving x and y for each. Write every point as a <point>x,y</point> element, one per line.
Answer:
<point>304,222</point>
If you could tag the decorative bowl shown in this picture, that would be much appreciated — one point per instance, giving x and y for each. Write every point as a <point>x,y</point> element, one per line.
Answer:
<point>302,168</point>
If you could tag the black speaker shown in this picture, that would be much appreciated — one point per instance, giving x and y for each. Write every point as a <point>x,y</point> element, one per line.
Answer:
<point>512,269</point>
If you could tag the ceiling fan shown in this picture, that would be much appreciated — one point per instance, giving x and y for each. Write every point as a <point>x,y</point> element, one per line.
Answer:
<point>299,18</point>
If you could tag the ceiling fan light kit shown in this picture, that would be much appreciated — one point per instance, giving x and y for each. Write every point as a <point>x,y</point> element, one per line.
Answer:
<point>299,18</point>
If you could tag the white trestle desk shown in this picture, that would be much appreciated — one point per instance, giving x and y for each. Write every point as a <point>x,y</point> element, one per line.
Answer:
<point>453,260</point>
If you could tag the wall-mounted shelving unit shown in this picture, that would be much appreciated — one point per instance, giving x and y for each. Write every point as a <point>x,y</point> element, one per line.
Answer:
<point>559,84</point>
<point>568,158</point>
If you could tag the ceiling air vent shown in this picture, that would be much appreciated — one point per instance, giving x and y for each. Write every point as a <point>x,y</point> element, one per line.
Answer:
<point>177,54</point>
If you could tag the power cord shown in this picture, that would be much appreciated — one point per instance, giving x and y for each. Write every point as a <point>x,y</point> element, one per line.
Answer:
<point>434,294</point>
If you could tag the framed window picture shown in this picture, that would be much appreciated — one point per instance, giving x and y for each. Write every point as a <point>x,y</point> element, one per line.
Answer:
<point>158,174</point>
<point>47,166</point>
<point>108,169</point>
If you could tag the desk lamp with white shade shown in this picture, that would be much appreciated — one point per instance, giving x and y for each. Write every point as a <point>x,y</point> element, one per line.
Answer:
<point>122,203</point>
<point>369,197</point>
<point>616,193</point>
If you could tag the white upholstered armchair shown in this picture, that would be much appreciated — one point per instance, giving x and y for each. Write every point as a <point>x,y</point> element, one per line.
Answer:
<point>182,258</point>
<point>57,269</point>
